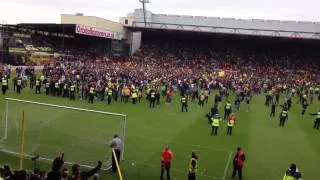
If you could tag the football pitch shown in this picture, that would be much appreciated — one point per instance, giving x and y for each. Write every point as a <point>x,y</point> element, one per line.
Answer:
<point>84,138</point>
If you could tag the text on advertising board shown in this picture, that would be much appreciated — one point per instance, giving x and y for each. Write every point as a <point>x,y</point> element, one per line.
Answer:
<point>91,31</point>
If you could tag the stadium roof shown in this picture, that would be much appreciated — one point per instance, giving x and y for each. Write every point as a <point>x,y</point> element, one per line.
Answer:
<point>57,28</point>
<point>256,27</point>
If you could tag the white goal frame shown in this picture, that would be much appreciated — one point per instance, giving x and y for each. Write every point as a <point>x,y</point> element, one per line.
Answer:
<point>5,136</point>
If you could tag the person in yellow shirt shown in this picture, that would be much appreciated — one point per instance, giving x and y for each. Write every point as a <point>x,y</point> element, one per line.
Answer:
<point>134,96</point>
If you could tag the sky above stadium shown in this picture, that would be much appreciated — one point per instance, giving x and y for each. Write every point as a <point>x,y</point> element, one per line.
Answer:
<point>48,11</point>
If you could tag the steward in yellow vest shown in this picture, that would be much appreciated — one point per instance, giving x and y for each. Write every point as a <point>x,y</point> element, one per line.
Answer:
<point>292,174</point>
<point>230,126</point>
<point>134,96</point>
<point>215,125</point>
<point>193,166</point>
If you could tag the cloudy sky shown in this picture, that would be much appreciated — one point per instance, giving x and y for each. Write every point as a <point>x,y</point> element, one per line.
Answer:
<point>48,11</point>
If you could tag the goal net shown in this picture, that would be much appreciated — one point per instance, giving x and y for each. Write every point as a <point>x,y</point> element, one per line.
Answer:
<point>83,135</point>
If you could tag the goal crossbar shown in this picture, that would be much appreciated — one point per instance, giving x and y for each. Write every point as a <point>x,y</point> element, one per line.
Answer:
<point>65,107</point>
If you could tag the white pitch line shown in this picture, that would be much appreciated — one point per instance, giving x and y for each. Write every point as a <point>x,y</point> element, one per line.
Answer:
<point>227,166</point>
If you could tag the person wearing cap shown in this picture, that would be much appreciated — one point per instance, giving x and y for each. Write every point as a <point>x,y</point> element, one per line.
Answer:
<point>193,166</point>
<point>238,162</point>
<point>166,156</point>
<point>292,173</point>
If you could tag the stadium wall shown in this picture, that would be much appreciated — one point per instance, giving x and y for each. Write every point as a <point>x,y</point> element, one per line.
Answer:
<point>93,22</point>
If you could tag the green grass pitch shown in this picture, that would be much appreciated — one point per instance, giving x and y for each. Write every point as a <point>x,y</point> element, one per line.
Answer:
<point>269,149</point>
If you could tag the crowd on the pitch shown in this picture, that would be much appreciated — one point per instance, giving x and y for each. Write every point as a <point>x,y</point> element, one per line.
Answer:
<point>164,68</point>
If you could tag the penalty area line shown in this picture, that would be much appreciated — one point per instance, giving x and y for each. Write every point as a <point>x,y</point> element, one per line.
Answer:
<point>227,166</point>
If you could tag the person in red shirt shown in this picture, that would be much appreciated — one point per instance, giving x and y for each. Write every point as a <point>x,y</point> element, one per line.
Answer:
<point>232,117</point>
<point>238,162</point>
<point>167,156</point>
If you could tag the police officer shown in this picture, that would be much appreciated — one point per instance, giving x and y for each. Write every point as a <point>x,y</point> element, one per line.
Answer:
<point>193,166</point>
<point>283,117</point>
<point>38,86</point>
<point>72,92</point>
<point>91,94</point>
<point>215,124</point>
<point>184,103</point>
<point>152,98</point>
<point>4,85</point>
<point>317,121</point>
<point>19,85</point>
<point>227,110</point>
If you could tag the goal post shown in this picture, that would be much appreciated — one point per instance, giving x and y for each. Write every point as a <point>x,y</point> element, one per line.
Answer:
<point>49,129</point>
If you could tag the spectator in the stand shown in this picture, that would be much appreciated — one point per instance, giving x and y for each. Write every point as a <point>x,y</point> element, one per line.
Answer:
<point>78,175</point>
<point>55,172</point>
